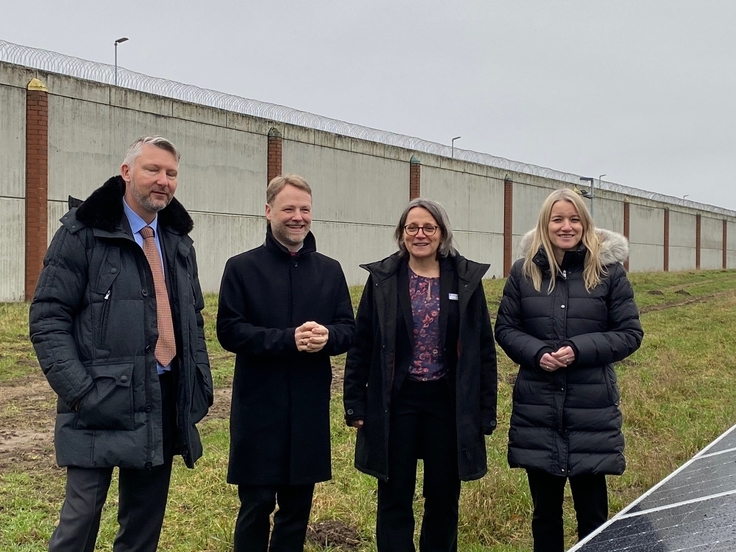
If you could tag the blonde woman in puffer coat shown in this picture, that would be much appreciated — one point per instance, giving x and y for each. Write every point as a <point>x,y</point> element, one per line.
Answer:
<point>566,316</point>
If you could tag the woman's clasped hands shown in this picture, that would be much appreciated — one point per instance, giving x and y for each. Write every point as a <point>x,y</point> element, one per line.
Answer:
<point>563,357</point>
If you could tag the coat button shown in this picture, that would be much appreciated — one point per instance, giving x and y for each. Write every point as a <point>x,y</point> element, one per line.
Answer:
<point>148,465</point>
<point>148,349</point>
<point>562,306</point>
<point>148,408</point>
<point>123,379</point>
<point>350,411</point>
<point>144,292</point>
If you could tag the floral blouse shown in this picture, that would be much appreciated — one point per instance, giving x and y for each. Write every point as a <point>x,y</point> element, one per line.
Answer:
<point>428,363</point>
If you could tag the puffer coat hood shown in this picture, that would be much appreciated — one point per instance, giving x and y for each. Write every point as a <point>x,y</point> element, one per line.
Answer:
<point>614,246</point>
<point>568,422</point>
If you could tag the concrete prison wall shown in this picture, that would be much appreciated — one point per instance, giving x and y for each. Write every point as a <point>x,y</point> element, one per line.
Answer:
<point>62,136</point>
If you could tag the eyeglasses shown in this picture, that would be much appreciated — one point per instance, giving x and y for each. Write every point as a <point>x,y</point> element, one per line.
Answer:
<point>413,229</point>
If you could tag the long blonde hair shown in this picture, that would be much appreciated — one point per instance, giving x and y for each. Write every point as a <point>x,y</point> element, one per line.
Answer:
<point>593,269</point>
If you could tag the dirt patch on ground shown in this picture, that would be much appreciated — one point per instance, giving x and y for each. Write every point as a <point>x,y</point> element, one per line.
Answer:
<point>683,302</point>
<point>333,535</point>
<point>221,406</point>
<point>27,422</point>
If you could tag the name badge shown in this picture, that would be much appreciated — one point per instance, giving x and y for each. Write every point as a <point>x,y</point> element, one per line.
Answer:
<point>453,297</point>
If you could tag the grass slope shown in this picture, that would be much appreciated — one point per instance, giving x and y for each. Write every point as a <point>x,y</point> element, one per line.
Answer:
<point>677,395</point>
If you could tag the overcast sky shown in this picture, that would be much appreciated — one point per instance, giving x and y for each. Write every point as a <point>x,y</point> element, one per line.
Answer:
<point>641,90</point>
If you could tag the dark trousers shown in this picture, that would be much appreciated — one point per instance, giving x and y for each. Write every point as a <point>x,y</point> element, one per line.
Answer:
<point>142,497</point>
<point>422,426</point>
<point>253,525</point>
<point>590,498</point>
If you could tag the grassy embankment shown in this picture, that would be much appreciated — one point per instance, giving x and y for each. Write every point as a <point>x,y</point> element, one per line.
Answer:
<point>677,395</point>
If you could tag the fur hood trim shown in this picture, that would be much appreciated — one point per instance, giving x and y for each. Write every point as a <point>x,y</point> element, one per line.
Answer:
<point>614,246</point>
<point>103,209</point>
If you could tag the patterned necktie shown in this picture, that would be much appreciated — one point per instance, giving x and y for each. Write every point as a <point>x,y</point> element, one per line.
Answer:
<point>166,344</point>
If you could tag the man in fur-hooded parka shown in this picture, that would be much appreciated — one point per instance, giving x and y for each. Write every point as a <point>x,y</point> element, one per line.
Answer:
<point>94,325</point>
<point>93,318</point>
<point>568,422</point>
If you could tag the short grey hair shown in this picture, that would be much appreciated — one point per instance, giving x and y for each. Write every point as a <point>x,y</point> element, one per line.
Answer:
<point>447,243</point>
<point>157,141</point>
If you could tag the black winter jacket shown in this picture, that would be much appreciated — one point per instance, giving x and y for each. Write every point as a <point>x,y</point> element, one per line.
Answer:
<point>379,359</point>
<point>280,416</point>
<point>93,325</point>
<point>568,422</point>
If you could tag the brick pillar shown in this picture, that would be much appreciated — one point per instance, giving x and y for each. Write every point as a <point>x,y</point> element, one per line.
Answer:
<point>666,263</point>
<point>697,242</point>
<point>274,154</point>
<point>725,245</point>
<point>508,224</point>
<point>415,178</point>
<point>37,181</point>
<point>627,230</point>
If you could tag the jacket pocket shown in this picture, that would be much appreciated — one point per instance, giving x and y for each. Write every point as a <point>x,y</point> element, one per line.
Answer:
<point>109,404</point>
<point>202,395</point>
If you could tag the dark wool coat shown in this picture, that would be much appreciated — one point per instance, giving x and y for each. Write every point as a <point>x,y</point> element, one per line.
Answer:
<point>93,325</point>
<point>379,360</point>
<point>568,422</point>
<point>280,416</point>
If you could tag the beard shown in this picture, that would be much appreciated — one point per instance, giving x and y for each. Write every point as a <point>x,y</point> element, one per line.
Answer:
<point>147,201</point>
<point>282,234</point>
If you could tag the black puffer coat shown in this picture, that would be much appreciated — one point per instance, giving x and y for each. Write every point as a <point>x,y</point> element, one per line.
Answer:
<point>280,416</point>
<point>93,325</point>
<point>380,356</point>
<point>568,422</point>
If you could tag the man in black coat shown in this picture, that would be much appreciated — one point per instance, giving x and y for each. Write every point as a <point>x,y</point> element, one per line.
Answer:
<point>284,310</point>
<point>121,342</point>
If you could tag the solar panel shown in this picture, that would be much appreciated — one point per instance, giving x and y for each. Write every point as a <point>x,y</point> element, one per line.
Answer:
<point>692,509</point>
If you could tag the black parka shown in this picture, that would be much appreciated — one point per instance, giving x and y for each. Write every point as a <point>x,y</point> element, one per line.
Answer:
<point>93,325</point>
<point>568,422</point>
<point>280,415</point>
<point>377,359</point>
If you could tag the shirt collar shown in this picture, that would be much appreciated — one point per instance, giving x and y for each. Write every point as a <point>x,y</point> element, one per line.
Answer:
<point>136,222</point>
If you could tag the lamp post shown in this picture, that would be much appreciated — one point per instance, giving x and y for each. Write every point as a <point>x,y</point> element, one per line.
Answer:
<point>591,194</point>
<point>453,145</point>
<point>600,186</point>
<point>118,41</point>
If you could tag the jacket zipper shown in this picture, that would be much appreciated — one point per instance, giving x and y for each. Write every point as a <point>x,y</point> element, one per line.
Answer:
<point>103,316</point>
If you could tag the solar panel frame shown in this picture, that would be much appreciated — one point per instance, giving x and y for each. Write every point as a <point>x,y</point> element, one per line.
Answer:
<point>693,509</point>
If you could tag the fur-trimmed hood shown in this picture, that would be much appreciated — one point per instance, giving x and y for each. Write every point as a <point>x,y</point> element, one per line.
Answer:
<point>103,209</point>
<point>614,246</point>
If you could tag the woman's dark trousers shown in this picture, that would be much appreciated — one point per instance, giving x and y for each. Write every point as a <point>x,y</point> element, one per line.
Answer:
<point>589,495</point>
<point>422,426</point>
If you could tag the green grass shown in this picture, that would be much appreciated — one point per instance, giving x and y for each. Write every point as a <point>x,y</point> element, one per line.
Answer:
<point>677,395</point>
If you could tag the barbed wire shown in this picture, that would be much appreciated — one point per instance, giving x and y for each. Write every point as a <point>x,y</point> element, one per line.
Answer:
<point>54,62</point>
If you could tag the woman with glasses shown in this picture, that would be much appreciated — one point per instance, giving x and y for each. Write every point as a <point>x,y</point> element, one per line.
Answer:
<point>566,316</point>
<point>420,379</point>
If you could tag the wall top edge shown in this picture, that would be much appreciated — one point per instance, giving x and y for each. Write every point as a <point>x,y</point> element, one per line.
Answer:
<point>106,74</point>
